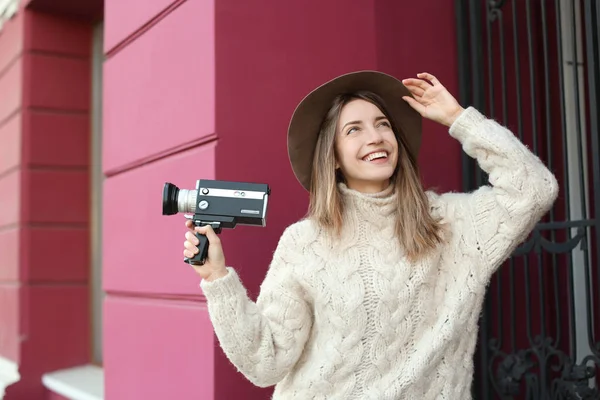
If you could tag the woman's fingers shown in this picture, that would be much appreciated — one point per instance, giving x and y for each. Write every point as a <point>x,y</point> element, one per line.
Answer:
<point>429,77</point>
<point>187,253</point>
<point>189,224</point>
<point>209,232</point>
<point>416,83</point>
<point>416,91</point>
<point>190,237</point>
<point>190,246</point>
<point>425,81</point>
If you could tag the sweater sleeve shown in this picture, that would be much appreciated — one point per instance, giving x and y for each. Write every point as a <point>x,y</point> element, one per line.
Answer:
<point>264,339</point>
<point>520,192</point>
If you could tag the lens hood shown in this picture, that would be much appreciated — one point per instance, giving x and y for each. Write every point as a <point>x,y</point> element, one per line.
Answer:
<point>170,195</point>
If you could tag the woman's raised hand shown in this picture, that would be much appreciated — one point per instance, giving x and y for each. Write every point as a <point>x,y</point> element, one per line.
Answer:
<point>214,266</point>
<point>431,99</point>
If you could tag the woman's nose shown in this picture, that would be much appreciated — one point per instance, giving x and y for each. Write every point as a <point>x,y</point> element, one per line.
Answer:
<point>374,135</point>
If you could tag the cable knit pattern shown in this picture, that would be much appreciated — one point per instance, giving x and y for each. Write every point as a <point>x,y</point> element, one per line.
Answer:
<point>353,319</point>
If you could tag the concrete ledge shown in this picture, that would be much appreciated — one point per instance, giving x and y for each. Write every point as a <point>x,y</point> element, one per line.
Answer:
<point>8,8</point>
<point>9,374</point>
<point>85,382</point>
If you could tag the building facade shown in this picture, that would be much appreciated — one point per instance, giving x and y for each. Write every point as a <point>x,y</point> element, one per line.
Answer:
<point>101,103</point>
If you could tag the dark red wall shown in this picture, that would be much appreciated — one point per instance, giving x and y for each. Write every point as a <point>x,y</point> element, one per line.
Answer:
<point>269,54</point>
<point>82,10</point>
<point>415,37</point>
<point>48,286</point>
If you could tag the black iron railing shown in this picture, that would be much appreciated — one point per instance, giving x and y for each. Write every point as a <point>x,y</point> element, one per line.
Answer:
<point>534,65</point>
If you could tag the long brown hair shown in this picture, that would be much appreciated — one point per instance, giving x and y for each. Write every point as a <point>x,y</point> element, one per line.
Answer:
<point>417,230</point>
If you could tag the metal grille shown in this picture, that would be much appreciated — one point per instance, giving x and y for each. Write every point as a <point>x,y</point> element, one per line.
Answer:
<point>534,66</point>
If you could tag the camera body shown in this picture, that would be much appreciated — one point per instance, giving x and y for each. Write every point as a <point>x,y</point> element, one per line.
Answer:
<point>220,204</point>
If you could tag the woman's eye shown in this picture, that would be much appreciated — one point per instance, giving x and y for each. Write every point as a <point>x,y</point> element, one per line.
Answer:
<point>386,124</point>
<point>351,130</point>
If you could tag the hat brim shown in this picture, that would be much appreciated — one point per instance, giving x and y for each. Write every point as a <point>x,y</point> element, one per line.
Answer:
<point>306,121</point>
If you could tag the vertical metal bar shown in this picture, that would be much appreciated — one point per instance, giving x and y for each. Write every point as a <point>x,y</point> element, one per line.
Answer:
<point>528,303</point>
<point>517,71</point>
<point>490,18</point>
<point>582,275</point>
<point>590,306</point>
<point>534,129</point>
<point>543,320</point>
<point>518,93</point>
<point>476,54</point>
<point>548,113</point>
<point>464,79</point>
<point>490,55</point>
<point>513,311</point>
<point>500,309</point>
<point>532,63</point>
<point>561,87</point>
<point>468,13</point>
<point>502,69</point>
<point>475,15</point>
<point>571,297</point>
<point>541,267</point>
<point>570,274</point>
<point>592,32</point>
<point>531,75</point>
<point>462,35</point>
<point>578,109</point>
<point>557,305</point>
<point>565,174</point>
<point>531,94</point>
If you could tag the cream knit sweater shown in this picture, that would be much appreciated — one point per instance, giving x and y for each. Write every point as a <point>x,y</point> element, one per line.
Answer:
<point>355,320</point>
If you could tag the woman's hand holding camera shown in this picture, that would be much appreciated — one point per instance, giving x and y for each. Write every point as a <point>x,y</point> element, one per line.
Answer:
<point>214,266</point>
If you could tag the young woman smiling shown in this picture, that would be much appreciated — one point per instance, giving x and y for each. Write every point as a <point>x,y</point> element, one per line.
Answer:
<point>376,294</point>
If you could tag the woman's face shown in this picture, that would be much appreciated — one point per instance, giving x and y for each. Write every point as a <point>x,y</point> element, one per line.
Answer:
<point>366,147</point>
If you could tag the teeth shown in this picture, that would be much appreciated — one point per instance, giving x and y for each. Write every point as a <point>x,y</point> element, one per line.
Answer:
<point>373,156</point>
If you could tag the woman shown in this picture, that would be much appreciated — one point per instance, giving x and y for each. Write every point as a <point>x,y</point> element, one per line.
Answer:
<point>376,294</point>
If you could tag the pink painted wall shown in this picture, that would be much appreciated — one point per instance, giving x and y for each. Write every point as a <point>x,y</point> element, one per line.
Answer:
<point>202,90</point>
<point>158,126</point>
<point>169,69</point>
<point>11,133</point>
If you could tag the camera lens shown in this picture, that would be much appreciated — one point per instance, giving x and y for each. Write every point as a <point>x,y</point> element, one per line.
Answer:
<point>170,196</point>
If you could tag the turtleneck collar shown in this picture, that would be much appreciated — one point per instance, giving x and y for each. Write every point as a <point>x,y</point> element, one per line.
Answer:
<point>369,205</point>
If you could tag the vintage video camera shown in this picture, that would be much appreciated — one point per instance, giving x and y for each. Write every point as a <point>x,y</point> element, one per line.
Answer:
<point>220,204</point>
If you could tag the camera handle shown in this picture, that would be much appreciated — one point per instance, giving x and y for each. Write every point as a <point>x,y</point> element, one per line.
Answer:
<point>200,258</point>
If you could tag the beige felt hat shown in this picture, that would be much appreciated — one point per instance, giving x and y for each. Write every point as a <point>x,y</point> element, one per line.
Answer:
<point>307,118</point>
